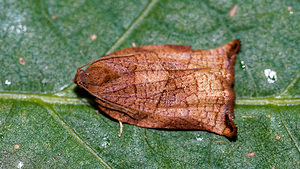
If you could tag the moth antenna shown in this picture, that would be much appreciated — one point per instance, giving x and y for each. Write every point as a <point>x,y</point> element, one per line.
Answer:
<point>105,58</point>
<point>121,129</point>
<point>87,64</point>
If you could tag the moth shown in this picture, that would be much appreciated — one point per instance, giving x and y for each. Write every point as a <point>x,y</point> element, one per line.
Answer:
<point>166,86</point>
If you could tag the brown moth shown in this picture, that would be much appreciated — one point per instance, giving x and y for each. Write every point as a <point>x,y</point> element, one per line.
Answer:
<point>166,86</point>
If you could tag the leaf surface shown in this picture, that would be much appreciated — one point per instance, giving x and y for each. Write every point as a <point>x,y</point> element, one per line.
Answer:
<point>58,126</point>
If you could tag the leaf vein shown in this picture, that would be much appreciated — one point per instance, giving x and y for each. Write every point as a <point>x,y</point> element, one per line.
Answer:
<point>74,134</point>
<point>287,129</point>
<point>135,23</point>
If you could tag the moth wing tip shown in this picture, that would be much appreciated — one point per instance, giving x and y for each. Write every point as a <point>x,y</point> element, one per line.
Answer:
<point>231,130</point>
<point>238,42</point>
<point>233,47</point>
<point>232,137</point>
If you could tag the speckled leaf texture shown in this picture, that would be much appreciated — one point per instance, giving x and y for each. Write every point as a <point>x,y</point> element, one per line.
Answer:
<point>46,122</point>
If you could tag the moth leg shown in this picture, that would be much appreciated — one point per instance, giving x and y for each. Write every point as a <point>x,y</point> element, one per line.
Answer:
<point>121,129</point>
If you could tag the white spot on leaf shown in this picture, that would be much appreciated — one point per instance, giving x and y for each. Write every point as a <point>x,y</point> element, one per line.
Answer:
<point>271,75</point>
<point>44,81</point>
<point>7,82</point>
<point>105,142</point>
<point>289,8</point>
<point>243,65</point>
<point>20,164</point>
<point>199,138</point>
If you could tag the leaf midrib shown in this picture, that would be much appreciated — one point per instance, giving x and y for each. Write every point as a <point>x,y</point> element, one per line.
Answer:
<point>56,99</point>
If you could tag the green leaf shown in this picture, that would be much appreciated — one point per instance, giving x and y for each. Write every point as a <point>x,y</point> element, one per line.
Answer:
<point>57,126</point>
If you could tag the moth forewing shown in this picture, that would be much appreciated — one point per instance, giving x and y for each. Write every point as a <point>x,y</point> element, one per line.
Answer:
<point>166,86</point>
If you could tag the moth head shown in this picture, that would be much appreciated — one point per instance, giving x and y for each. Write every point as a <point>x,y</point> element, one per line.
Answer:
<point>80,78</point>
<point>100,74</point>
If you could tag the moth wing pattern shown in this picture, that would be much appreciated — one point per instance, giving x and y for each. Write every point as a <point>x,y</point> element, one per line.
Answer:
<point>167,86</point>
<point>171,108</point>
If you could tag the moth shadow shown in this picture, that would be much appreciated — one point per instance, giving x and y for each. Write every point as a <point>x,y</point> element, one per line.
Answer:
<point>82,93</point>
